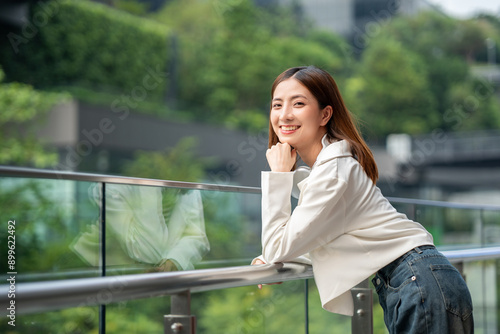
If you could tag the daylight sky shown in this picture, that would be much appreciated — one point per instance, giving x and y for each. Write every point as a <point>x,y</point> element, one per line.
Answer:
<point>467,8</point>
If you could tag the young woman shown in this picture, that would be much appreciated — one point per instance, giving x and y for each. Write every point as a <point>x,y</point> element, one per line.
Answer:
<point>342,224</point>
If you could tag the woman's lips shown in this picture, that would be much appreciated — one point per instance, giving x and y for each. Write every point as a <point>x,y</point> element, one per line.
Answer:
<point>288,129</point>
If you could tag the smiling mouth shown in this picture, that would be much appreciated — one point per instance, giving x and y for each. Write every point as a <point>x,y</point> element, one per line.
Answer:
<point>289,127</point>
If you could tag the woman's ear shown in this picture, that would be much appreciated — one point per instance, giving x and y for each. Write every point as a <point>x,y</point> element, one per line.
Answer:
<point>326,114</point>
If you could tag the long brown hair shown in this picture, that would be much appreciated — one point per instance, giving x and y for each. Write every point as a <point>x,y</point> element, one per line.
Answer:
<point>341,125</point>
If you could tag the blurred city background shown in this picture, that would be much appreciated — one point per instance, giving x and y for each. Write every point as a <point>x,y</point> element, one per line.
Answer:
<point>180,90</point>
<point>104,87</point>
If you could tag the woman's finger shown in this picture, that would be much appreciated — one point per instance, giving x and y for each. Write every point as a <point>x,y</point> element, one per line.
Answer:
<point>281,157</point>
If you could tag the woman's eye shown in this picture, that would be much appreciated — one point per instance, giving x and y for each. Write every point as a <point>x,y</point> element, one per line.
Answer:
<point>276,105</point>
<point>299,104</point>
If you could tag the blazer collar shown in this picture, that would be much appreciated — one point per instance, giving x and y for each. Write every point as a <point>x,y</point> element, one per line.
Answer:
<point>332,150</point>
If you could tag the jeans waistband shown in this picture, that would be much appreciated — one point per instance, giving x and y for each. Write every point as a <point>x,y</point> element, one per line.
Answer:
<point>386,271</point>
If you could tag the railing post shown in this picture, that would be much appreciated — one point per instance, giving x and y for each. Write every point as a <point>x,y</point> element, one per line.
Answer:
<point>180,320</point>
<point>362,320</point>
<point>460,268</point>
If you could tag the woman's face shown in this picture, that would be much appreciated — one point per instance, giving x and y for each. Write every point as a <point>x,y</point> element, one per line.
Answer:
<point>296,117</point>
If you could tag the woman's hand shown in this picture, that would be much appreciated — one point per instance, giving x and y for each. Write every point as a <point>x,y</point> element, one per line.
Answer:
<point>281,157</point>
<point>257,262</point>
<point>164,266</point>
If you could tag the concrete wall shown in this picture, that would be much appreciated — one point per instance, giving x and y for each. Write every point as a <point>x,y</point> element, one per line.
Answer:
<point>85,135</point>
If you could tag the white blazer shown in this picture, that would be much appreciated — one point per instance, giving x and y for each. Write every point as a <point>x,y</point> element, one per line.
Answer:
<point>342,222</point>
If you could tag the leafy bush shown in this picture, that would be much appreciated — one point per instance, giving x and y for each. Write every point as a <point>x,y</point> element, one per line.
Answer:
<point>82,43</point>
<point>23,108</point>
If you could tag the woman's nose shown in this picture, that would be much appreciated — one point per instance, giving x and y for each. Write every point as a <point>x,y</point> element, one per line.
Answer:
<point>286,113</point>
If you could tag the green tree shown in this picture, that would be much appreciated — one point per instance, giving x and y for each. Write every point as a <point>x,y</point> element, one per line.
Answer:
<point>232,53</point>
<point>132,6</point>
<point>472,106</point>
<point>470,37</point>
<point>394,90</point>
<point>23,111</point>
<point>415,77</point>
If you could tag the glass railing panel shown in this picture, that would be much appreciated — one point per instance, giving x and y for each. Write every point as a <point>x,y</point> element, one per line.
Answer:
<point>461,228</point>
<point>151,229</point>
<point>148,229</point>
<point>274,309</point>
<point>137,316</point>
<point>58,231</point>
<point>72,320</point>
<point>456,227</point>
<point>450,227</point>
<point>49,215</point>
<point>233,226</point>
<point>483,281</point>
<point>489,221</point>
<point>321,321</point>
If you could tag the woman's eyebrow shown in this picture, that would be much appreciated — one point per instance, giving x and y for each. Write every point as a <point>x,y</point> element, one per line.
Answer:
<point>299,96</point>
<point>292,98</point>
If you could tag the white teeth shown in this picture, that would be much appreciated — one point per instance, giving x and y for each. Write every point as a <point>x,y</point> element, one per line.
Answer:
<point>289,128</point>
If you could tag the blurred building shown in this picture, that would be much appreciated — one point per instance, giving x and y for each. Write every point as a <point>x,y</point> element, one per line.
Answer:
<point>14,12</point>
<point>443,164</point>
<point>93,138</point>
<point>351,17</point>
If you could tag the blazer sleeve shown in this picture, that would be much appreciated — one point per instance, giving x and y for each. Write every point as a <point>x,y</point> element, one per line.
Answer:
<point>318,218</point>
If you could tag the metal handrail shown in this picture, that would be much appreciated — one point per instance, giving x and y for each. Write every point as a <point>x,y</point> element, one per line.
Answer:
<point>473,254</point>
<point>443,204</point>
<point>52,295</point>
<point>90,177</point>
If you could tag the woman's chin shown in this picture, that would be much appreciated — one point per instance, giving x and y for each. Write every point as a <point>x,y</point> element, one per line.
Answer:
<point>286,141</point>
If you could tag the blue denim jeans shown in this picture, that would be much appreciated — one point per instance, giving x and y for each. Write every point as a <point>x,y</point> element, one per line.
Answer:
<point>421,292</point>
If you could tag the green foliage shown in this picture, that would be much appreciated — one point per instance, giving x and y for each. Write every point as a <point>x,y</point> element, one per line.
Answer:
<point>142,316</point>
<point>248,120</point>
<point>87,44</point>
<point>42,226</point>
<point>472,105</point>
<point>414,78</point>
<point>138,316</point>
<point>395,100</point>
<point>470,38</point>
<point>339,47</point>
<point>132,6</point>
<point>179,163</point>
<point>249,310</point>
<point>274,309</point>
<point>231,55</point>
<point>81,320</point>
<point>490,26</point>
<point>229,52</point>
<point>23,110</point>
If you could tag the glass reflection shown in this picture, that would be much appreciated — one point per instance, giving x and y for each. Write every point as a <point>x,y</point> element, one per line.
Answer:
<point>163,229</point>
